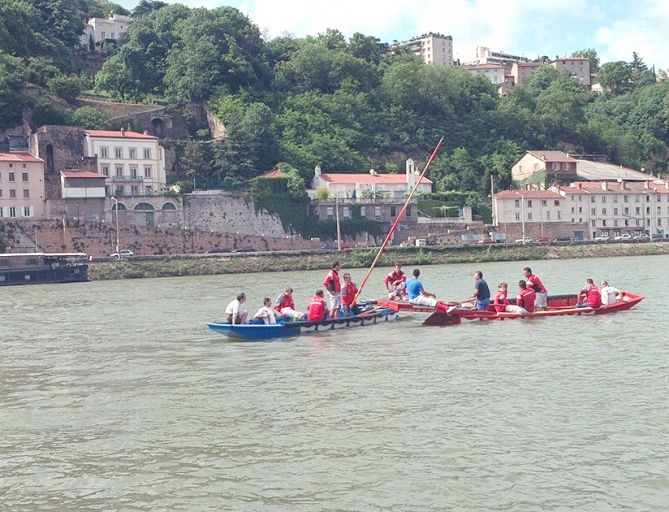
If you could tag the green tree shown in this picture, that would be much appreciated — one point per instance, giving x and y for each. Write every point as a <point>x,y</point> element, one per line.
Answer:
<point>147,6</point>
<point>67,87</point>
<point>90,117</point>
<point>116,78</point>
<point>616,77</point>
<point>12,100</point>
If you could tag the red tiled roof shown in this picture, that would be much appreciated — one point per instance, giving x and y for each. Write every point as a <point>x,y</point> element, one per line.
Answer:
<point>127,134</point>
<point>551,156</point>
<point>274,173</point>
<point>82,173</point>
<point>528,194</point>
<point>19,156</point>
<point>612,187</point>
<point>368,179</point>
<point>486,65</point>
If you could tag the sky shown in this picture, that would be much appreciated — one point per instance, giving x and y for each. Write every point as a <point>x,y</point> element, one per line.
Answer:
<point>530,28</point>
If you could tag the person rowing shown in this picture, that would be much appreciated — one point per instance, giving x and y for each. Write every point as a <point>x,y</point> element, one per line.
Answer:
<point>395,281</point>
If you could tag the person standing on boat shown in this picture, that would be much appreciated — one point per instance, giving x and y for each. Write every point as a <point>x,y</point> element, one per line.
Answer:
<point>348,293</point>
<point>417,294</point>
<point>481,296</point>
<point>234,313</point>
<point>526,298</point>
<point>286,306</point>
<point>266,312</point>
<point>317,310</point>
<point>589,296</point>
<point>333,287</point>
<point>541,295</point>
<point>609,294</point>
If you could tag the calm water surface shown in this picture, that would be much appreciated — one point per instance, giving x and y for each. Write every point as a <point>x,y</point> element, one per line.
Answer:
<point>114,396</point>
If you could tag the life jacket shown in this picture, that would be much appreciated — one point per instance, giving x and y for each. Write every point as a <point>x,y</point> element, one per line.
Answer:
<point>525,299</point>
<point>393,277</point>
<point>316,309</point>
<point>592,295</point>
<point>348,294</point>
<point>284,301</point>
<point>500,302</point>
<point>331,281</point>
<point>536,283</point>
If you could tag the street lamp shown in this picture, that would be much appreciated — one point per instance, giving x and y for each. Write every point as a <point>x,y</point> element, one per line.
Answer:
<point>116,208</point>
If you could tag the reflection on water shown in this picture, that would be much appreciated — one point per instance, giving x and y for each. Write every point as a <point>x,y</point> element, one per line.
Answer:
<point>115,397</point>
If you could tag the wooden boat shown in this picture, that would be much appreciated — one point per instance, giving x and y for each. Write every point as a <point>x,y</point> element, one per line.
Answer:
<point>265,332</point>
<point>41,268</point>
<point>558,305</point>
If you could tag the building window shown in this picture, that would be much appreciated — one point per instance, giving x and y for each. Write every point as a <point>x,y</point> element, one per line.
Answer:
<point>603,211</point>
<point>529,215</point>
<point>573,209</point>
<point>556,202</point>
<point>135,190</point>
<point>26,193</point>
<point>12,177</point>
<point>133,172</point>
<point>529,203</point>
<point>149,190</point>
<point>638,210</point>
<point>626,199</point>
<point>559,215</point>
<point>627,222</point>
<point>593,211</point>
<point>409,211</point>
<point>119,190</point>
<point>393,211</point>
<point>118,152</point>
<point>147,172</point>
<point>362,212</point>
<point>615,211</point>
<point>592,199</point>
<point>347,212</point>
<point>604,223</point>
<point>548,215</point>
<point>580,209</point>
<point>24,176</point>
<point>105,170</point>
<point>615,199</point>
<point>133,153</point>
<point>626,211</point>
<point>12,193</point>
<point>592,222</point>
<point>104,152</point>
<point>603,199</point>
<point>147,153</point>
<point>517,203</point>
<point>119,170</point>
<point>544,202</point>
<point>27,211</point>
<point>377,211</point>
<point>517,216</point>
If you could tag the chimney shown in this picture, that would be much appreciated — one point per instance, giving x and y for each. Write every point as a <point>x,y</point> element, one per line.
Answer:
<point>579,185</point>
<point>122,132</point>
<point>603,185</point>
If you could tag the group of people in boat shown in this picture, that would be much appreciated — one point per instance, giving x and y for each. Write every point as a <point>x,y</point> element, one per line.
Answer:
<point>531,295</point>
<point>341,302</point>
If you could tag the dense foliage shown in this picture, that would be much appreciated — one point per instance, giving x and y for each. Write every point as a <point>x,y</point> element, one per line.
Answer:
<point>326,100</point>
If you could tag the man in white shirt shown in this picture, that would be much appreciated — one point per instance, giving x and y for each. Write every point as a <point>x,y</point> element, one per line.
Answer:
<point>609,294</point>
<point>234,312</point>
<point>266,312</point>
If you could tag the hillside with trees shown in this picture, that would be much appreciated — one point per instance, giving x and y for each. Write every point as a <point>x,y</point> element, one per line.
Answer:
<point>344,104</point>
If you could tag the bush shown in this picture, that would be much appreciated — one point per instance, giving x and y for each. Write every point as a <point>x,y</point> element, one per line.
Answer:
<point>64,86</point>
<point>90,117</point>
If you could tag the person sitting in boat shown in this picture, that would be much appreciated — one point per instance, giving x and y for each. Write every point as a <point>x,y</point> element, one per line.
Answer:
<point>499,301</point>
<point>417,294</point>
<point>234,313</point>
<point>609,294</point>
<point>395,278</point>
<point>540,292</point>
<point>333,287</point>
<point>266,313</point>
<point>348,293</point>
<point>481,296</point>
<point>525,299</point>
<point>317,310</point>
<point>286,306</point>
<point>589,296</point>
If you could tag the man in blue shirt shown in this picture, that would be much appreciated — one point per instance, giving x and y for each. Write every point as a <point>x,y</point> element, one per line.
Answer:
<point>481,296</point>
<point>417,294</point>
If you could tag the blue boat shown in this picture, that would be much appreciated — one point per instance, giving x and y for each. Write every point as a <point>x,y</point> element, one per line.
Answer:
<point>264,332</point>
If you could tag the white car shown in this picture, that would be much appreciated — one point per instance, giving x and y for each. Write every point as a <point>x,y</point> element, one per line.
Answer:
<point>525,240</point>
<point>125,253</point>
<point>601,238</point>
<point>624,236</point>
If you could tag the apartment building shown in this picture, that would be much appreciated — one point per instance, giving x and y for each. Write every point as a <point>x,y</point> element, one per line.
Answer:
<point>485,55</point>
<point>433,48</point>
<point>578,67</point>
<point>99,30</point>
<point>21,185</point>
<point>134,162</point>
<point>496,73</point>
<point>522,71</point>
<point>542,167</point>
<point>584,210</point>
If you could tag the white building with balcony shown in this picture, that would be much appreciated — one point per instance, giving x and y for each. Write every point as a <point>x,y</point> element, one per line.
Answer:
<point>432,47</point>
<point>133,162</point>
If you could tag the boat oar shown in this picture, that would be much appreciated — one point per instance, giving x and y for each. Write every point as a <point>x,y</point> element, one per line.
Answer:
<point>398,218</point>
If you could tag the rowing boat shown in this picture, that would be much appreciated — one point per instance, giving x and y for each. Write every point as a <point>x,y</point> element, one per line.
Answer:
<point>558,305</point>
<point>265,332</point>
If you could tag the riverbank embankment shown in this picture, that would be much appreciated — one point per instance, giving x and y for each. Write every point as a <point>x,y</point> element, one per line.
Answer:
<point>237,263</point>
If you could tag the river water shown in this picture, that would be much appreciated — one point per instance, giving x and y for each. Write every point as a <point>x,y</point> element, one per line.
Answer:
<point>115,396</point>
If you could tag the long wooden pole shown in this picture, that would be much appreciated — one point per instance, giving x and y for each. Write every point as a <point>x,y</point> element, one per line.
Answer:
<point>398,218</point>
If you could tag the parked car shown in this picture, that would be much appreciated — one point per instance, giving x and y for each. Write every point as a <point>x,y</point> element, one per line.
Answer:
<point>624,236</point>
<point>641,238</point>
<point>524,240</point>
<point>562,239</point>
<point>329,246</point>
<point>542,240</point>
<point>121,255</point>
<point>244,249</point>
<point>218,250</point>
<point>601,238</point>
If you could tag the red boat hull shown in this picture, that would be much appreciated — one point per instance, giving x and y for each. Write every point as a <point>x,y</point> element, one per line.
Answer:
<point>558,305</point>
